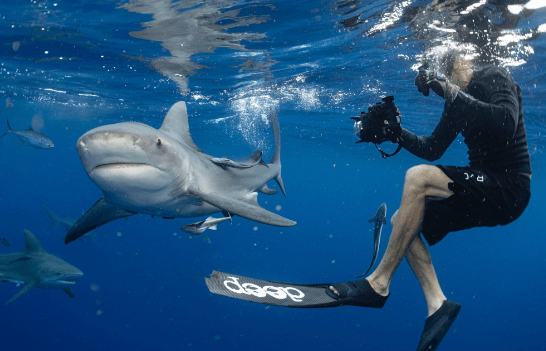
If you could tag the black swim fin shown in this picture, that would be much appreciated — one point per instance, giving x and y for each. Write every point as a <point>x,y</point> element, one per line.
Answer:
<point>437,326</point>
<point>269,292</point>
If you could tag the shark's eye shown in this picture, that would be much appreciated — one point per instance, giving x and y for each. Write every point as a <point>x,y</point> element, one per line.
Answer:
<point>159,142</point>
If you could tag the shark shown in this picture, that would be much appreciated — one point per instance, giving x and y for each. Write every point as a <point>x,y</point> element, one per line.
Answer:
<point>379,220</point>
<point>35,268</point>
<point>161,172</point>
<point>66,223</point>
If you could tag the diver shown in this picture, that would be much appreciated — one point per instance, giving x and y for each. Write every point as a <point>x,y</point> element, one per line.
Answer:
<point>484,105</point>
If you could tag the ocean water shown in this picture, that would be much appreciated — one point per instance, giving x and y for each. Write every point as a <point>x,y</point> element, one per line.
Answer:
<point>69,66</point>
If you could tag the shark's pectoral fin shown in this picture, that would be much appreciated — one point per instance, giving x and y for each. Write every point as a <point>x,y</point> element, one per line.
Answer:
<point>372,220</point>
<point>244,209</point>
<point>101,213</point>
<point>23,291</point>
<point>68,292</point>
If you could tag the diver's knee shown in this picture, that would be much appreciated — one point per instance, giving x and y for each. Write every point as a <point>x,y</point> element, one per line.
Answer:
<point>420,175</point>
<point>419,172</point>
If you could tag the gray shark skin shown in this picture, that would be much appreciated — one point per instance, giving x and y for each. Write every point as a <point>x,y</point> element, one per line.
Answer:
<point>379,219</point>
<point>161,172</point>
<point>35,268</point>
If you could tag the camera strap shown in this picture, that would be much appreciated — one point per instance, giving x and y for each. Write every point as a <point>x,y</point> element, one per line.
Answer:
<point>384,154</point>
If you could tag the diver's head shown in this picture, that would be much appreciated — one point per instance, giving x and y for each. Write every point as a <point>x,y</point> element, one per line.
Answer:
<point>457,68</point>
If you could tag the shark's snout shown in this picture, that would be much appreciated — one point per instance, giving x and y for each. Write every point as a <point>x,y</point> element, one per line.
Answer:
<point>99,148</point>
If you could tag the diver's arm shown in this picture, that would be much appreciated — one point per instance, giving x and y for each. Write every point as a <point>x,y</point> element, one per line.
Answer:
<point>432,147</point>
<point>500,115</point>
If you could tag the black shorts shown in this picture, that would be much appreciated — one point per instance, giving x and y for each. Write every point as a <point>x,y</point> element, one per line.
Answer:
<point>480,198</point>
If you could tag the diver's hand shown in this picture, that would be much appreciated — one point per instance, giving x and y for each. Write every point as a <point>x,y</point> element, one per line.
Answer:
<point>426,80</point>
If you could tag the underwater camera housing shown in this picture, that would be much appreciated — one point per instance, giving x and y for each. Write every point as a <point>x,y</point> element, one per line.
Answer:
<point>381,123</point>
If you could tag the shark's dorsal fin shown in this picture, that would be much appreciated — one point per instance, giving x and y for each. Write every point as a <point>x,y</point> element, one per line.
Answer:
<point>176,125</point>
<point>31,243</point>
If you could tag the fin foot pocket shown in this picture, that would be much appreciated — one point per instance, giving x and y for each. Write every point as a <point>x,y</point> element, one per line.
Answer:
<point>356,293</point>
<point>437,326</point>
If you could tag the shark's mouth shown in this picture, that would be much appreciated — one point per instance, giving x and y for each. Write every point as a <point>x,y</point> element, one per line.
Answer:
<point>67,282</point>
<point>120,165</point>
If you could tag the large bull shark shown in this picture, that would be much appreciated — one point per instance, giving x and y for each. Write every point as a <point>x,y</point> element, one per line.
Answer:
<point>161,172</point>
<point>35,268</point>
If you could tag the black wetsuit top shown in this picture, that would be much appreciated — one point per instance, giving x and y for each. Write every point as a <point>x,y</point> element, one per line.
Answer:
<point>489,116</point>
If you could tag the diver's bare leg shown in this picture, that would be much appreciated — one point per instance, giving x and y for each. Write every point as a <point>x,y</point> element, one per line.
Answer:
<point>419,260</point>
<point>421,181</point>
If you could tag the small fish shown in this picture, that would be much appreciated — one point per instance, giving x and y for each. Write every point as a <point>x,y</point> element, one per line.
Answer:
<point>253,160</point>
<point>31,137</point>
<point>5,242</point>
<point>378,220</point>
<point>199,227</point>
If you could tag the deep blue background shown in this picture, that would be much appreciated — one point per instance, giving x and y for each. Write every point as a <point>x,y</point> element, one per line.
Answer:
<point>317,74</point>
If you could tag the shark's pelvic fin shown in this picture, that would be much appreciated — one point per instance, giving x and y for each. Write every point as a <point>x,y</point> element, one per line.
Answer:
<point>265,190</point>
<point>176,125</point>
<point>256,158</point>
<point>23,291</point>
<point>101,213</point>
<point>31,243</point>
<point>244,209</point>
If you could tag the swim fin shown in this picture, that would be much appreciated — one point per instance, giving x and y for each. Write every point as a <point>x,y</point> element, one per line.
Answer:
<point>268,292</point>
<point>437,326</point>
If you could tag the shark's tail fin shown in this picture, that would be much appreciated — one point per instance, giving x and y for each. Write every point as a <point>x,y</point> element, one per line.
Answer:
<point>276,159</point>
<point>55,220</point>
<point>9,130</point>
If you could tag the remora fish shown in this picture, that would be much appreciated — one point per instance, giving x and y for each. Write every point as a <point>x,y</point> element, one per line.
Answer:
<point>199,227</point>
<point>31,137</point>
<point>378,220</point>
<point>35,268</point>
<point>161,172</point>
<point>253,160</point>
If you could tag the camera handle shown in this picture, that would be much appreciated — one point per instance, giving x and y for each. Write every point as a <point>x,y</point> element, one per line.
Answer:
<point>384,154</point>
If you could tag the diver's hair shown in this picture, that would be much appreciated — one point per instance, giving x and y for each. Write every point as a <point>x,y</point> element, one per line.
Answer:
<point>448,60</point>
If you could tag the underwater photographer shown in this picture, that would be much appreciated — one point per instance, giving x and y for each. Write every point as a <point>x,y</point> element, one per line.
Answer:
<point>485,106</point>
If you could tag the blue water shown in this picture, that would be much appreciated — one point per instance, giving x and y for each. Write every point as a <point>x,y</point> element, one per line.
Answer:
<point>67,67</point>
